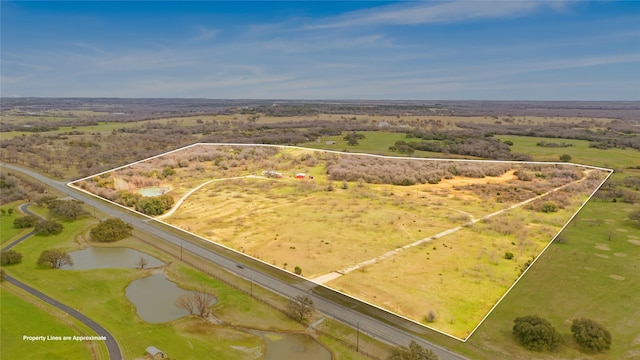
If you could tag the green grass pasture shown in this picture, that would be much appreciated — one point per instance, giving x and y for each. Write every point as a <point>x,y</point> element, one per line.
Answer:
<point>580,152</point>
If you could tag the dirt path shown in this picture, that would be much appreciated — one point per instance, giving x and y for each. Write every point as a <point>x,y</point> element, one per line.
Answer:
<point>183,198</point>
<point>336,274</point>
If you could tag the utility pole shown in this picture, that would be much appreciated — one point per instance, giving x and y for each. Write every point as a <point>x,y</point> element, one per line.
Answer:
<point>358,338</point>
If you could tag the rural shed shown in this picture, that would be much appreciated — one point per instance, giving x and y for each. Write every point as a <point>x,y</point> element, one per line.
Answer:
<point>155,353</point>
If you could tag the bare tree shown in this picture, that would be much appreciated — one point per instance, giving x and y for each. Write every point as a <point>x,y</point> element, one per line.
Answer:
<point>203,301</point>
<point>187,302</point>
<point>300,307</point>
<point>142,262</point>
<point>196,302</point>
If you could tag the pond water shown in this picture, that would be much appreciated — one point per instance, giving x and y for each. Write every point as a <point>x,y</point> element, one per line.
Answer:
<point>100,258</point>
<point>153,191</point>
<point>293,347</point>
<point>154,297</point>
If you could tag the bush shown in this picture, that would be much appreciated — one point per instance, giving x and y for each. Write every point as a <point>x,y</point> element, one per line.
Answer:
<point>565,157</point>
<point>536,333</point>
<point>10,257</point>
<point>508,255</point>
<point>25,222</point>
<point>48,227</point>
<point>549,207</point>
<point>298,270</point>
<point>590,335</point>
<point>155,205</point>
<point>111,230</point>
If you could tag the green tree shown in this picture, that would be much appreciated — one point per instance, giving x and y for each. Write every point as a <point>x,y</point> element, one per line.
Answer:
<point>300,308</point>
<point>154,205</point>
<point>54,258</point>
<point>536,333</point>
<point>412,352</point>
<point>591,335</point>
<point>297,270</point>
<point>565,157</point>
<point>9,257</point>
<point>48,227</point>
<point>66,209</point>
<point>24,222</point>
<point>111,230</point>
<point>130,199</point>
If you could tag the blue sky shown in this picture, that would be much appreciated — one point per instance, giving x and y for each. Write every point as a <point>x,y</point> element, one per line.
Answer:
<point>418,50</point>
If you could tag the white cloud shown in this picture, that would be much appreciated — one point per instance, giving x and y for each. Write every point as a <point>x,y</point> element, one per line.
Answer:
<point>204,34</point>
<point>435,12</point>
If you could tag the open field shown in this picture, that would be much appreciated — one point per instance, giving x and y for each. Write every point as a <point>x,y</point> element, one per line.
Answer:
<point>9,233</point>
<point>21,317</point>
<point>593,274</point>
<point>354,231</point>
<point>580,152</point>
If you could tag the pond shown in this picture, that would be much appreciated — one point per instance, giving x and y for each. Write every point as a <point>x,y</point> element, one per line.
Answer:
<point>153,191</point>
<point>154,297</point>
<point>293,347</point>
<point>100,258</point>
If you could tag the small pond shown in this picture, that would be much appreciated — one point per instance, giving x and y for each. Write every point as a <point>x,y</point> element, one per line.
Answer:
<point>293,347</point>
<point>100,258</point>
<point>153,191</point>
<point>154,297</point>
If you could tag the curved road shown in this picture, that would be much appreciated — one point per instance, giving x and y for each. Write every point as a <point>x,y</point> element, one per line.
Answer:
<point>366,324</point>
<point>110,342</point>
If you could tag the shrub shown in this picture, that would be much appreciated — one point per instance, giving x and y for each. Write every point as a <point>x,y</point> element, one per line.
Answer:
<point>508,255</point>
<point>298,270</point>
<point>10,257</point>
<point>590,335</point>
<point>549,207</point>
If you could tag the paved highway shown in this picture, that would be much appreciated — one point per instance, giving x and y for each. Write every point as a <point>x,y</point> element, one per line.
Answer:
<point>366,324</point>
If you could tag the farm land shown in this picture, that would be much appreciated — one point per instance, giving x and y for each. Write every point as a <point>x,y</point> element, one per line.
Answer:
<point>577,276</point>
<point>369,226</point>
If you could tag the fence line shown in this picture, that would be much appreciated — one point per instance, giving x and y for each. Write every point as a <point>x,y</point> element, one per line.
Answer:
<point>342,341</point>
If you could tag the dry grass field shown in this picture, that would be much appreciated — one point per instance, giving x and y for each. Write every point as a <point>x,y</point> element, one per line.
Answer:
<point>433,251</point>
